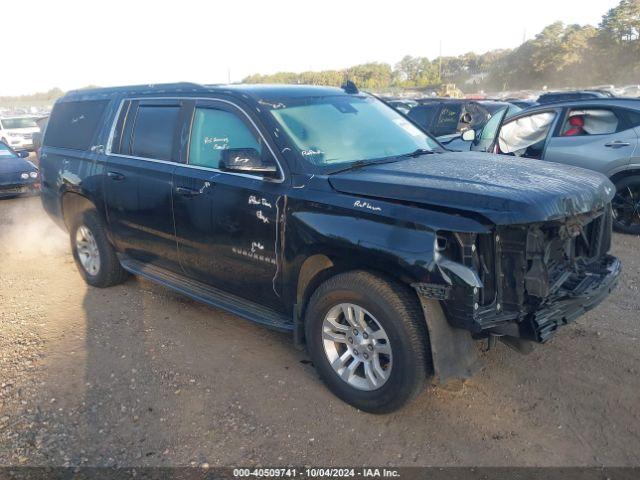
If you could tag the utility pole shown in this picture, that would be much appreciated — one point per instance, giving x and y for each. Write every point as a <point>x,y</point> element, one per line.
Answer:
<point>228,75</point>
<point>440,63</point>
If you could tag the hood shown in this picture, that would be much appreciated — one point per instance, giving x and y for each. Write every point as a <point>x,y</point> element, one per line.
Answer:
<point>504,189</point>
<point>12,167</point>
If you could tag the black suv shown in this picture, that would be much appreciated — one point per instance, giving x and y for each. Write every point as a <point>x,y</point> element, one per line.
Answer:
<point>325,213</point>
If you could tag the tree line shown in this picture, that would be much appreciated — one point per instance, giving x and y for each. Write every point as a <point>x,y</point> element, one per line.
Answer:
<point>560,55</point>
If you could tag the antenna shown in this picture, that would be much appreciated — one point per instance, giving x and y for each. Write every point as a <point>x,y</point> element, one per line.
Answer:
<point>350,87</point>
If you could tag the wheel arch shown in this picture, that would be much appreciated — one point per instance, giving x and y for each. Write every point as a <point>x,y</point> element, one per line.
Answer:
<point>319,267</point>
<point>624,173</point>
<point>73,204</point>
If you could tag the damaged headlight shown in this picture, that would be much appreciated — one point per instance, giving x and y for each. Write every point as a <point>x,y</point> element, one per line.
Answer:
<point>468,260</point>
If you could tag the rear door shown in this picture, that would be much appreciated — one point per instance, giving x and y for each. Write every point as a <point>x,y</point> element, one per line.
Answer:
<point>227,223</point>
<point>141,158</point>
<point>594,137</point>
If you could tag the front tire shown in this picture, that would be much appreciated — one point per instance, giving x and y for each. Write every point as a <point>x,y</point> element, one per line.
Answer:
<point>368,341</point>
<point>94,256</point>
<point>626,205</point>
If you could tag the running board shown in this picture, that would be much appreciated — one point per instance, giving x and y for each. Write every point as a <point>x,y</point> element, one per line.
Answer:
<point>210,295</point>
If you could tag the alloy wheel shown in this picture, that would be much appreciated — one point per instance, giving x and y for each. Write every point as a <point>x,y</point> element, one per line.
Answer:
<point>626,206</point>
<point>357,346</point>
<point>88,252</point>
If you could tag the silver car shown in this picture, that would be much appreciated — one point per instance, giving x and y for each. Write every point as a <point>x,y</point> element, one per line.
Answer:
<point>598,134</point>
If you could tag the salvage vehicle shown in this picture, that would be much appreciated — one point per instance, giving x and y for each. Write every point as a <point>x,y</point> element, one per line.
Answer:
<point>446,118</point>
<point>325,213</point>
<point>17,132</point>
<point>601,135</point>
<point>18,176</point>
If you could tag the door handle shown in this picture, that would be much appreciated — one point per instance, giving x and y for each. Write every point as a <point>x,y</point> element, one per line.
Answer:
<point>117,176</point>
<point>617,144</point>
<point>187,192</point>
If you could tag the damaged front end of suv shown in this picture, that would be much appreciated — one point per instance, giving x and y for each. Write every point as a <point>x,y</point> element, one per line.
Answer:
<point>532,256</point>
<point>525,281</point>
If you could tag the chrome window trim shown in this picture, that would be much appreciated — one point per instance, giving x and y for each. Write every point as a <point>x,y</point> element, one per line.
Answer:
<point>197,167</point>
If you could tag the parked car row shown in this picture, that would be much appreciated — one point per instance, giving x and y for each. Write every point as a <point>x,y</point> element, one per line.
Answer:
<point>18,176</point>
<point>17,132</point>
<point>326,213</point>
<point>599,134</point>
<point>590,129</point>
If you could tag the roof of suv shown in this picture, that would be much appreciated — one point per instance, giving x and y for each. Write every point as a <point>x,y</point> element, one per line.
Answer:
<point>257,91</point>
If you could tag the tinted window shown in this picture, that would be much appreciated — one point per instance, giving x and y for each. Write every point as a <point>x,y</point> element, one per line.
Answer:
<point>214,131</point>
<point>633,119</point>
<point>74,124</point>
<point>423,115</point>
<point>448,118</point>
<point>153,132</point>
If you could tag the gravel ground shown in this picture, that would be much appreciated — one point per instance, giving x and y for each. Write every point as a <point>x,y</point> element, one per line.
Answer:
<point>138,375</point>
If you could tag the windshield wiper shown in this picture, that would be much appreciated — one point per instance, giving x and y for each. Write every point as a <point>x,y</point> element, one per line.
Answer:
<point>415,153</point>
<point>363,163</point>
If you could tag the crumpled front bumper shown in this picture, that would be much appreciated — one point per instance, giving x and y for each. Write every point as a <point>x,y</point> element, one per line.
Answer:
<point>576,297</point>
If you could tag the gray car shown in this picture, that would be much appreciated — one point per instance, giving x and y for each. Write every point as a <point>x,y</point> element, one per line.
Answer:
<point>598,134</point>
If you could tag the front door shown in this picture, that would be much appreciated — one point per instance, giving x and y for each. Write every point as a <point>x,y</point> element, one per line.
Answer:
<point>138,188</point>
<point>227,224</point>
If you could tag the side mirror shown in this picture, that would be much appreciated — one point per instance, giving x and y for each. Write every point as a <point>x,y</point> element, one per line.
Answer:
<point>469,135</point>
<point>246,160</point>
<point>23,154</point>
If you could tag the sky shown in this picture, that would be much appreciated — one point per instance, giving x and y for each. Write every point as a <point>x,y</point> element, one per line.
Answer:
<point>71,44</point>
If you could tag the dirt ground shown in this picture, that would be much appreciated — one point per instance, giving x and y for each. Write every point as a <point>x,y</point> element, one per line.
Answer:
<point>139,375</point>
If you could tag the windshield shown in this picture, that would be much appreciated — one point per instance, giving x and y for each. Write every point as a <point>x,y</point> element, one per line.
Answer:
<point>18,123</point>
<point>338,130</point>
<point>6,152</point>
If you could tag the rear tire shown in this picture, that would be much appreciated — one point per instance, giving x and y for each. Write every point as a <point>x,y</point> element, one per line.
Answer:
<point>95,257</point>
<point>626,205</point>
<point>381,382</point>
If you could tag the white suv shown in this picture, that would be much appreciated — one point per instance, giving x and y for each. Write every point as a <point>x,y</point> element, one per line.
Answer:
<point>17,132</point>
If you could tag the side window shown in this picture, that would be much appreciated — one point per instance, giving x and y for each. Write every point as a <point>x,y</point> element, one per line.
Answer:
<point>153,131</point>
<point>592,121</point>
<point>74,124</point>
<point>633,119</point>
<point>525,137</point>
<point>423,115</point>
<point>448,119</point>
<point>216,130</point>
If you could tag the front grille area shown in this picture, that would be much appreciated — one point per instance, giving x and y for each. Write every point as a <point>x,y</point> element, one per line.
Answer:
<point>524,270</point>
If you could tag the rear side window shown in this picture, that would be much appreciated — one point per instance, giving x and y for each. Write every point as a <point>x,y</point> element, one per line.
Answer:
<point>633,119</point>
<point>448,119</point>
<point>154,131</point>
<point>591,121</point>
<point>423,115</point>
<point>214,131</point>
<point>74,125</point>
